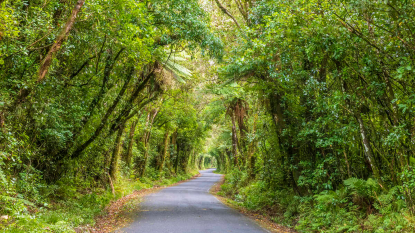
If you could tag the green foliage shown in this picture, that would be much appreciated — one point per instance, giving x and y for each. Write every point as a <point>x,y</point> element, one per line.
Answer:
<point>328,87</point>
<point>307,106</point>
<point>119,84</point>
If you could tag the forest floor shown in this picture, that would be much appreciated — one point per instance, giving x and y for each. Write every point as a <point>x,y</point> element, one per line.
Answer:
<point>262,218</point>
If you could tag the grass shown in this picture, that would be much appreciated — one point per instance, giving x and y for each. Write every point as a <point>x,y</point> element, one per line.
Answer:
<point>81,209</point>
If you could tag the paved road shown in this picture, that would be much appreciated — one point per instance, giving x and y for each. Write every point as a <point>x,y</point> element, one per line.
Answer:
<point>190,208</point>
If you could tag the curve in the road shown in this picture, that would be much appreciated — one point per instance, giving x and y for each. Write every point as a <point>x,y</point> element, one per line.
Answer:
<point>190,208</point>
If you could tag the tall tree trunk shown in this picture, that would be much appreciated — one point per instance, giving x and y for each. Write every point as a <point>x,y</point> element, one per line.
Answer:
<point>44,66</point>
<point>173,145</point>
<point>165,149</point>
<point>225,11</point>
<point>276,111</point>
<point>146,139</point>
<point>130,144</point>
<point>194,158</point>
<point>240,112</point>
<point>176,166</point>
<point>347,164</point>
<point>234,141</point>
<point>368,148</point>
<point>104,120</point>
<point>116,154</point>
<point>251,150</point>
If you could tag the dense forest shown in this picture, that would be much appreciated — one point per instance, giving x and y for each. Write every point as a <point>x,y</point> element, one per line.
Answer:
<point>307,106</point>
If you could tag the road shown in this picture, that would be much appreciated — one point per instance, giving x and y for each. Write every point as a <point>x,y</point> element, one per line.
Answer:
<point>189,208</point>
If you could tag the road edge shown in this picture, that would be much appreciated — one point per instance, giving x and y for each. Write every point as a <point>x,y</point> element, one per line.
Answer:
<point>262,220</point>
<point>118,213</point>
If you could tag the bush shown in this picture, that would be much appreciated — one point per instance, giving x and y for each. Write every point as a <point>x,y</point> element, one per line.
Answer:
<point>359,206</point>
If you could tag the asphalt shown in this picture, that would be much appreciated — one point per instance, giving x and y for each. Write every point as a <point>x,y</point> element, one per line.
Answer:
<point>189,208</point>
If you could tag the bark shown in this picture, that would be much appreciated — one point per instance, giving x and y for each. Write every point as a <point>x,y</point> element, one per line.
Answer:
<point>185,159</point>
<point>107,72</point>
<point>226,12</point>
<point>143,169</point>
<point>234,141</point>
<point>368,148</point>
<point>242,11</point>
<point>194,158</point>
<point>125,112</point>
<point>130,144</point>
<point>323,68</point>
<point>201,162</point>
<point>165,149</point>
<point>277,113</point>
<point>146,139</point>
<point>2,121</point>
<point>240,110</point>
<point>251,150</point>
<point>45,64</point>
<point>44,67</point>
<point>109,65</point>
<point>116,154</point>
<point>104,120</point>
<point>347,164</point>
<point>111,184</point>
<point>173,145</point>
<point>176,166</point>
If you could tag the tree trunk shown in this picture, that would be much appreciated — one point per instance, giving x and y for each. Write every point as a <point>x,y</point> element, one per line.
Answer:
<point>173,145</point>
<point>144,140</point>
<point>251,150</point>
<point>104,120</point>
<point>44,68</point>
<point>368,148</point>
<point>347,164</point>
<point>45,64</point>
<point>234,141</point>
<point>176,166</point>
<point>277,113</point>
<point>130,144</point>
<point>116,154</point>
<point>165,149</point>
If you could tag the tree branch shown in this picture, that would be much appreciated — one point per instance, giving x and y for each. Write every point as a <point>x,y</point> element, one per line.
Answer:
<point>225,11</point>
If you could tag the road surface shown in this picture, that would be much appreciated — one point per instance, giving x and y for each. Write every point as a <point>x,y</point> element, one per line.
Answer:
<point>189,208</point>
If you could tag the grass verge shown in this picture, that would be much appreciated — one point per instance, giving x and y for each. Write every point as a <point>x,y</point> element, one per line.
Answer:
<point>262,219</point>
<point>86,209</point>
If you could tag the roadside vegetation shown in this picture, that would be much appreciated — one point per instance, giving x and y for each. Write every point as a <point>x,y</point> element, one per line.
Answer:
<point>318,112</point>
<point>96,101</point>
<point>306,106</point>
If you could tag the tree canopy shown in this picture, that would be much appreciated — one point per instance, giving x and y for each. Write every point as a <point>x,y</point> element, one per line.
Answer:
<point>307,106</point>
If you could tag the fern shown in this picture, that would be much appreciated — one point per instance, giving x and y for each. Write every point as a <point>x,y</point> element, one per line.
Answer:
<point>362,188</point>
<point>178,71</point>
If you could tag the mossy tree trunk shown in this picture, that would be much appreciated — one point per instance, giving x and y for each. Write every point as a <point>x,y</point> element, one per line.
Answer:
<point>165,149</point>
<point>130,144</point>
<point>116,154</point>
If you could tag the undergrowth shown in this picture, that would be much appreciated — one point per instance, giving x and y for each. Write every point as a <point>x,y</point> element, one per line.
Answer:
<point>357,206</point>
<point>32,206</point>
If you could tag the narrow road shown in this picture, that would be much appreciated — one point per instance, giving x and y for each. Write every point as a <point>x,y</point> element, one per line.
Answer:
<point>190,208</point>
